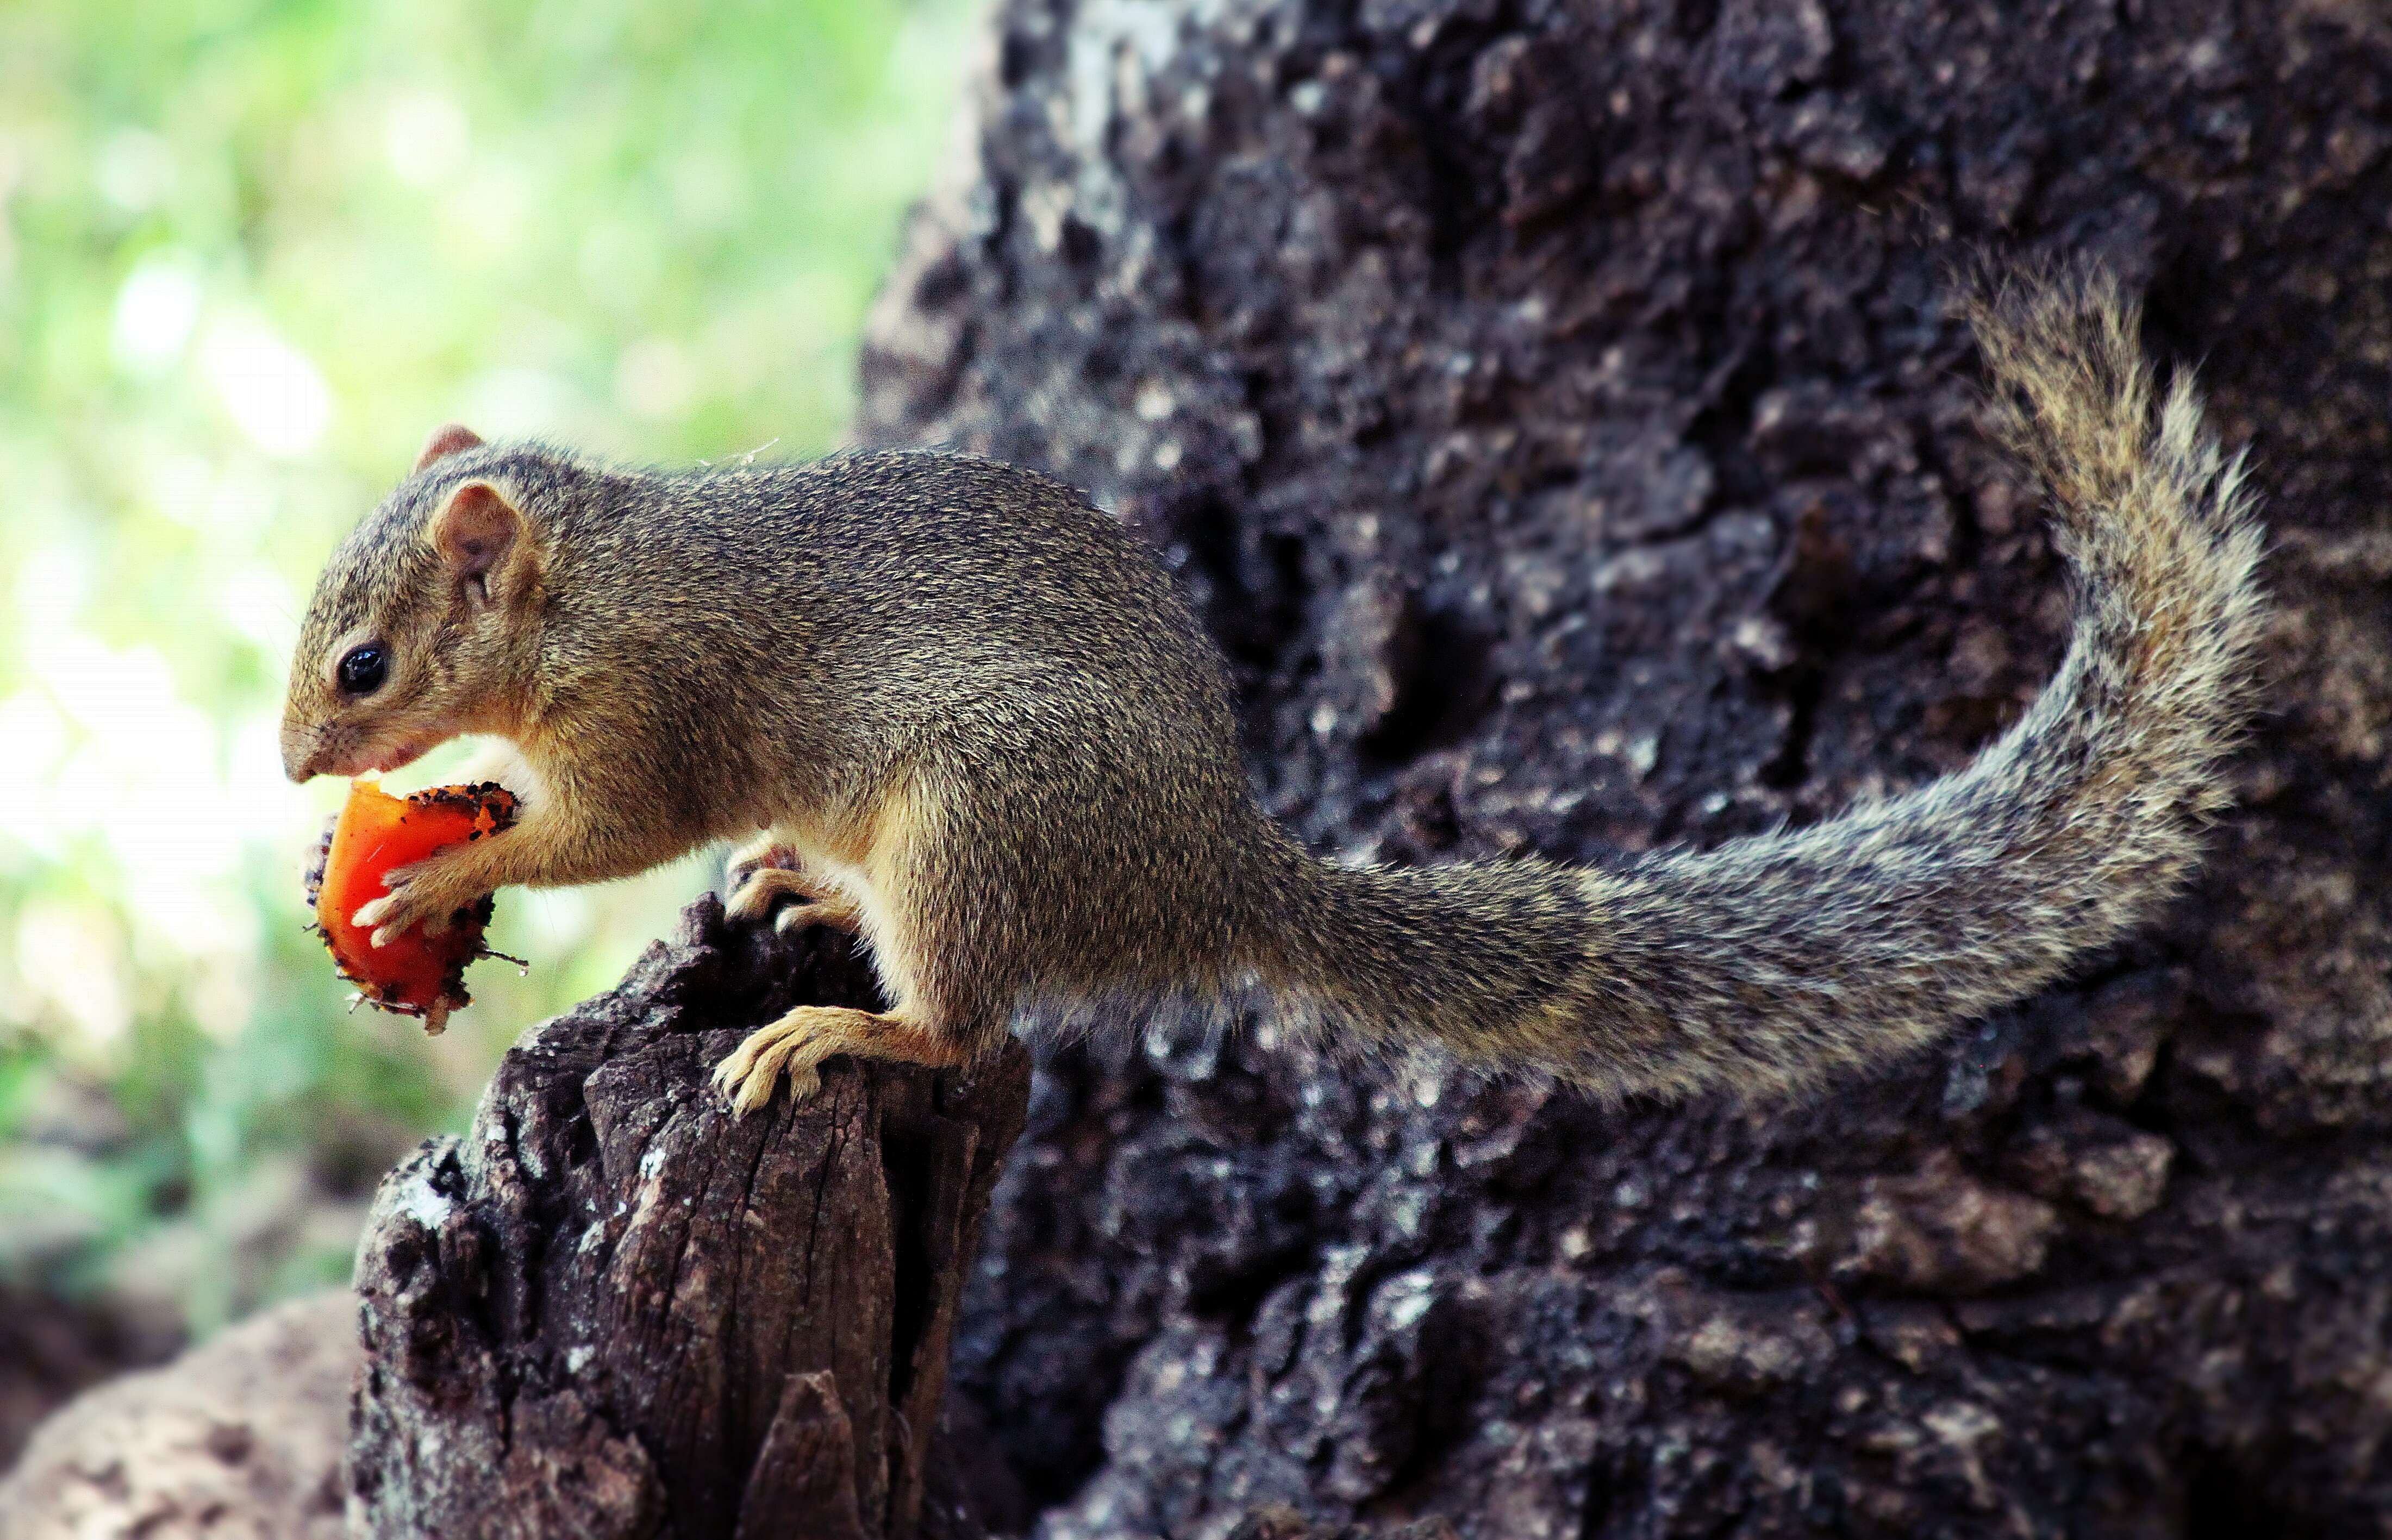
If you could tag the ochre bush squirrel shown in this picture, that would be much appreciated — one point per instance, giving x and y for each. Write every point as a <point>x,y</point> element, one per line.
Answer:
<point>973,722</point>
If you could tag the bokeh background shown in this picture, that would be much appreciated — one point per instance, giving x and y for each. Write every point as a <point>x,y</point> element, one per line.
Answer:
<point>249,254</point>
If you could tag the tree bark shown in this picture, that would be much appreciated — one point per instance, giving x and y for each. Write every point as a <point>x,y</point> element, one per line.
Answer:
<point>1558,411</point>
<point>614,1310</point>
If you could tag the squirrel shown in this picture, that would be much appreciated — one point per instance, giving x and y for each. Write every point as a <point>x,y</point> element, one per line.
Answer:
<point>963,713</point>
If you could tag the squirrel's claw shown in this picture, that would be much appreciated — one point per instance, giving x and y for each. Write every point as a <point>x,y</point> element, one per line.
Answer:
<point>756,894</point>
<point>762,887</point>
<point>370,913</point>
<point>765,887</point>
<point>386,917</point>
<point>799,1042</point>
<point>837,912</point>
<point>433,924</point>
<point>760,852</point>
<point>746,1075</point>
<point>406,906</point>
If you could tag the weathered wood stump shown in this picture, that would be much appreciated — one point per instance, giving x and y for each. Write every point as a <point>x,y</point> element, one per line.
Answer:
<point>613,1309</point>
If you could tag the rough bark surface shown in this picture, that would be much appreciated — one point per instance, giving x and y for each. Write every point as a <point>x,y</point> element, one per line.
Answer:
<point>614,1310</point>
<point>241,1436</point>
<point>1558,412</point>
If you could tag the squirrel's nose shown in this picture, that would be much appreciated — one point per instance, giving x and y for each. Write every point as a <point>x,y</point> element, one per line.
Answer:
<point>298,754</point>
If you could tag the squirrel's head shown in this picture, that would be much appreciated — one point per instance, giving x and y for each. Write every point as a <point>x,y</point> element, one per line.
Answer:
<point>418,629</point>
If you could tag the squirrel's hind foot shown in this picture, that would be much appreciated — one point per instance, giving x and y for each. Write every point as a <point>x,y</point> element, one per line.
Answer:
<point>797,1043</point>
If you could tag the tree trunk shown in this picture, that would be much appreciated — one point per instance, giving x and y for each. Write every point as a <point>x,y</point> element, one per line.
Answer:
<point>614,1310</point>
<point>1558,413</point>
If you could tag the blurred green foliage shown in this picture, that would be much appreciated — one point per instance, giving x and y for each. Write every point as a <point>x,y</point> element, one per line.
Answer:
<point>250,254</point>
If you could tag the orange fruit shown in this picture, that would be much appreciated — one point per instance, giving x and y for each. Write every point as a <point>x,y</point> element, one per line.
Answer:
<point>416,974</point>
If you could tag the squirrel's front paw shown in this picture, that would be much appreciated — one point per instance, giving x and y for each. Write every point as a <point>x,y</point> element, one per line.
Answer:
<point>754,893</point>
<point>422,894</point>
<point>760,885</point>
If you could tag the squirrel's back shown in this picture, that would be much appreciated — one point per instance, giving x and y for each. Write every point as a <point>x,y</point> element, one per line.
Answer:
<point>976,633</point>
<point>924,574</point>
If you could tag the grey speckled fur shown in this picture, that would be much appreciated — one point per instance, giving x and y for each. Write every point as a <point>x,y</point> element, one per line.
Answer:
<point>688,656</point>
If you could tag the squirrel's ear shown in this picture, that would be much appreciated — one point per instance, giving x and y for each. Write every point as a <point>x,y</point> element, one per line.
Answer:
<point>478,531</point>
<point>447,440</point>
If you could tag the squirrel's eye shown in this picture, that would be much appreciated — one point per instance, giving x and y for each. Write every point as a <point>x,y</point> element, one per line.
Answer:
<point>362,668</point>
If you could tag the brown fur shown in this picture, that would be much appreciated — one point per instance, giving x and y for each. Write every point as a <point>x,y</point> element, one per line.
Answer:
<point>974,710</point>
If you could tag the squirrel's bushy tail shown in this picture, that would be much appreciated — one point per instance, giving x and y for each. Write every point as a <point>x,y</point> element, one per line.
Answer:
<point>1772,960</point>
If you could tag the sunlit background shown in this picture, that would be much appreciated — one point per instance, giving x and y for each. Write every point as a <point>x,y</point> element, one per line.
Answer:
<point>249,254</point>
